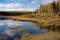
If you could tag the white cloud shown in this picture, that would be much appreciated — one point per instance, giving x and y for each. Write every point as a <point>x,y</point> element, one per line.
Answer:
<point>10,5</point>
<point>19,9</point>
<point>29,9</point>
<point>47,1</point>
<point>34,1</point>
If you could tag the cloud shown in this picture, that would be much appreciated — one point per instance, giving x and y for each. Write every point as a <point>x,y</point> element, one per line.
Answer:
<point>10,5</point>
<point>19,9</point>
<point>34,1</point>
<point>29,9</point>
<point>16,5</point>
<point>46,1</point>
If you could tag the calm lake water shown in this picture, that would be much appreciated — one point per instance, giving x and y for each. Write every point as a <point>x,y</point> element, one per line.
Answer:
<point>10,29</point>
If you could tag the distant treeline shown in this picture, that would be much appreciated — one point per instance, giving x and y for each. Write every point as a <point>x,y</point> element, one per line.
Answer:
<point>12,13</point>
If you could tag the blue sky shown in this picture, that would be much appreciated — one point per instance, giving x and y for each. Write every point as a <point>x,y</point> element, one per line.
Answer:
<point>21,5</point>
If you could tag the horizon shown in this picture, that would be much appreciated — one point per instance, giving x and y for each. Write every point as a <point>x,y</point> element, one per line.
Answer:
<point>22,5</point>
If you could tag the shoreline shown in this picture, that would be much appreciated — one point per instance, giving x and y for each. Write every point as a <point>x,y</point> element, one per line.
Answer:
<point>55,22</point>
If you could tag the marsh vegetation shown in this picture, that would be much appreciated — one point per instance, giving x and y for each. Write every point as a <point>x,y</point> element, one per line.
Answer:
<point>47,17</point>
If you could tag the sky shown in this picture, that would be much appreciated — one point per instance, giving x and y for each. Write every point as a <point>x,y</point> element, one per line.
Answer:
<point>22,5</point>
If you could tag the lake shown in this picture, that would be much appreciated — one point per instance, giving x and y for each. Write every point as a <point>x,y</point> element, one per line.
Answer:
<point>10,29</point>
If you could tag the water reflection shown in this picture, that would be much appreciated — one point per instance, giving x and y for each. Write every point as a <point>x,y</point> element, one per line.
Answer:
<point>10,29</point>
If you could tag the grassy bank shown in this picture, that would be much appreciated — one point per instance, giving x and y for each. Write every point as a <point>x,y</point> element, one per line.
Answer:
<point>42,22</point>
<point>47,36</point>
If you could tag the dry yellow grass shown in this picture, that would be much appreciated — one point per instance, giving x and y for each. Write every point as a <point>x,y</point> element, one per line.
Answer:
<point>46,36</point>
<point>41,22</point>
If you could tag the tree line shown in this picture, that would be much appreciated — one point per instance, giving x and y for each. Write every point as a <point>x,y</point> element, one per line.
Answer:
<point>12,13</point>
